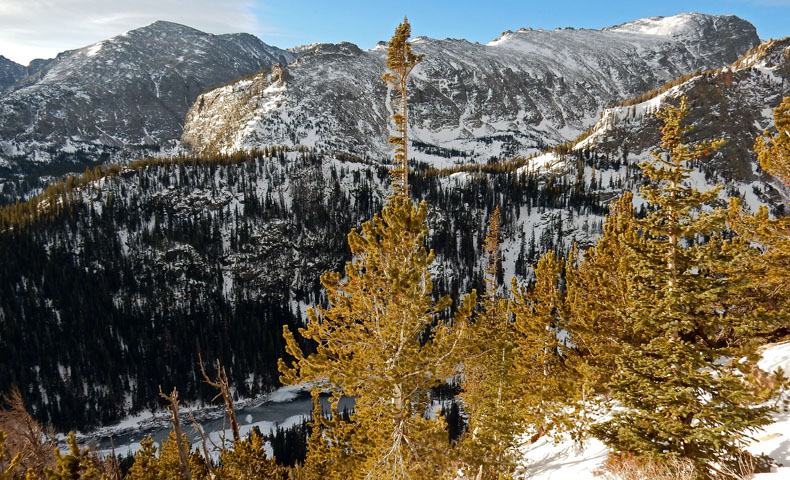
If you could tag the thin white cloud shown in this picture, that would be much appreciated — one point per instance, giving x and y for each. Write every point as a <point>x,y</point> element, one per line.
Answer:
<point>42,28</point>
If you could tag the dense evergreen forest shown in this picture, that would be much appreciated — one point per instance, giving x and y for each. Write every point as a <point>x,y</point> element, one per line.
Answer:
<point>142,268</point>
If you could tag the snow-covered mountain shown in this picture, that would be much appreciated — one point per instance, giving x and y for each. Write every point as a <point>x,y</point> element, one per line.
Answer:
<point>735,103</point>
<point>125,94</point>
<point>512,96</point>
<point>168,258</point>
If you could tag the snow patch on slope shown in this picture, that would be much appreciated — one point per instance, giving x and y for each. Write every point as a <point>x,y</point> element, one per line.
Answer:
<point>547,460</point>
<point>94,49</point>
<point>545,162</point>
<point>612,116</point>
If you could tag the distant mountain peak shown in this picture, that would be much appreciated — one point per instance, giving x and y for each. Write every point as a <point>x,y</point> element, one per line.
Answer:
<point>304,48</point>
<point>682,24</point>
<point>166,26</point>
<point>121,95</point>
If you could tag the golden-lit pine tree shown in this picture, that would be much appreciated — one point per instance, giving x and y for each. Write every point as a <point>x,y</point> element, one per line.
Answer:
<point>146,464</point>
<point>773,150</point>
<point>490,386</point>
<point>680,401</point>
<point>8,466</point>
<point>543,358</point>
<point>598,295</point>
<point>381,341</point>
<point>324,461</point>
<point>152,463</point>
<point>248,461</point>
<point>77,464</point>
<point>765,297</point>
<point>400,62</point>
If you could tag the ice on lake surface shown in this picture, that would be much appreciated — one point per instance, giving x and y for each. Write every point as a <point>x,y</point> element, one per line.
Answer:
<point>284,408</point>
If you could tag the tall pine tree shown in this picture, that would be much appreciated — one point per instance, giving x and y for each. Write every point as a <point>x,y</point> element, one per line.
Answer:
<point>773,150</point>
<point>598,296</point>
<point>400,62</point>
<point>681,400</point>
<point>765,298</point>
<point>543,356</point>
<point>381,340</point>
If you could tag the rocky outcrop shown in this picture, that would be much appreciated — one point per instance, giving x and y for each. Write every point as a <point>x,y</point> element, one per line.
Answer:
<point>10,73</point>
<point>735,103</point>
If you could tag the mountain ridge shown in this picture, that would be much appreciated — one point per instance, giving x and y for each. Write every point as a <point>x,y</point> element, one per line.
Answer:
<point>734,102</point>
<point>510,97</point>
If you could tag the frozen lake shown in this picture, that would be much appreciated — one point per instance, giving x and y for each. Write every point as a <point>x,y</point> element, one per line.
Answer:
<point>284,408</point>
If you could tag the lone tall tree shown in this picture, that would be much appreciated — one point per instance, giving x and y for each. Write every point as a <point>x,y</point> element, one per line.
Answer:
<point>381,340</point>
<point>400,61</point>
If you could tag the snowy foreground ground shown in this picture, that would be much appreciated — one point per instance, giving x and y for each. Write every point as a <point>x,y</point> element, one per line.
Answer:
<point>545,460</point>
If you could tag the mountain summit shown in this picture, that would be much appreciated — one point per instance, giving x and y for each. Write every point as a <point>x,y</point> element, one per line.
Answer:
<point>126,93</point>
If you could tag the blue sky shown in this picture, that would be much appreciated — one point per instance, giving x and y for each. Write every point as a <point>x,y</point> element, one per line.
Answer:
<point>42,28</point>
<point>365,22</point>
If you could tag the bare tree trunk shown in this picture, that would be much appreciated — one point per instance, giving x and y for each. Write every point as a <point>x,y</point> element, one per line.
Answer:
<point>405,160</point>
<point>182,453</point>
<point>224,391</point>
<point>199,430</point>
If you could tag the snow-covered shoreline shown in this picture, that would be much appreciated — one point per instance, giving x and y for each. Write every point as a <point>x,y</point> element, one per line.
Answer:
<point>149,422</point>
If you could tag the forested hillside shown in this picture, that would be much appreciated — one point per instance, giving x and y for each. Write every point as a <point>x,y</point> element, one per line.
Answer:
<point>147,266</point>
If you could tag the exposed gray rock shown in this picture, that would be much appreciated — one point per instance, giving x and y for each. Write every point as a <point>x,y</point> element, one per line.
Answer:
<point>10,73</point>
<point>512,96</point>
<point>735,103</point>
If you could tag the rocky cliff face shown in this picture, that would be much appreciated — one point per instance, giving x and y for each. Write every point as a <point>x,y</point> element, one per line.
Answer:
<point>10,73</point>
<point>509,97</point>
<point>128,94</point>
